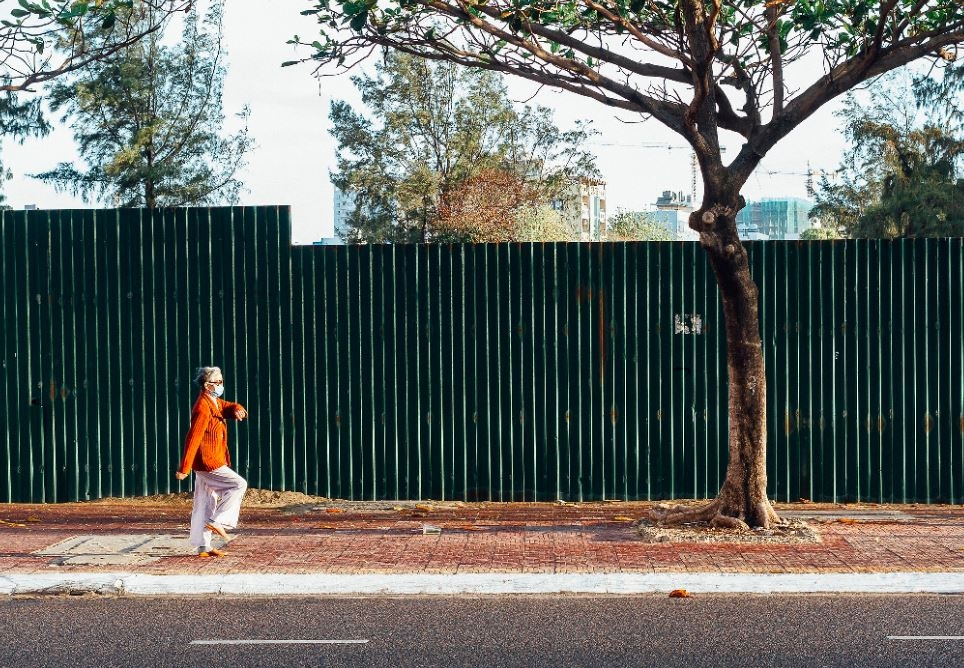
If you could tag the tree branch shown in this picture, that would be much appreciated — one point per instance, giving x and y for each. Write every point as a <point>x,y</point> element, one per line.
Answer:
<point>776,56</point>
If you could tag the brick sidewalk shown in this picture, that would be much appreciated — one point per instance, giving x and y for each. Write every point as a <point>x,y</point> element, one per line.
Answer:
<point>530,538</point>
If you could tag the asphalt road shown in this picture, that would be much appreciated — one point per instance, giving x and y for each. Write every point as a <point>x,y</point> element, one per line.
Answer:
<point>559,631</point>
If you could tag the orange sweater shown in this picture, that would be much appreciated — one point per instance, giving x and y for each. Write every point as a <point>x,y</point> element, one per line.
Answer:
<point>206,445</point>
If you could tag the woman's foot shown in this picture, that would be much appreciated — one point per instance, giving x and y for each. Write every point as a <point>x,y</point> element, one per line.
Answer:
<point>211,552</point>
<point>217,528</point>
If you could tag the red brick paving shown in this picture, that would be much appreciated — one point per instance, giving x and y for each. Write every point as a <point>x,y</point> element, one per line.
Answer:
<point>484,537</point>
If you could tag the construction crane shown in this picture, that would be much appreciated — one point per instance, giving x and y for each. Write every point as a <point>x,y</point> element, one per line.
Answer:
<point>694,166</point>
<point>811,174</point>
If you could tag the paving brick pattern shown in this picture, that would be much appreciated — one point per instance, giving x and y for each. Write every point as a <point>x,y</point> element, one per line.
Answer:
<point>485,538</point>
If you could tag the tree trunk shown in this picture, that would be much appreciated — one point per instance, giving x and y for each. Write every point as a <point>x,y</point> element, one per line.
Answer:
<point>743,495</point>
<point>742,499</point>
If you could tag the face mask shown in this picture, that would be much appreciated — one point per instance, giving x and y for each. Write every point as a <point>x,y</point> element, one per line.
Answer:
<point>218,390</point>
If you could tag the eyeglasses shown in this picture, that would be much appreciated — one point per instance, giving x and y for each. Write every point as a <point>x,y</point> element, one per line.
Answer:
<point>215,382</point>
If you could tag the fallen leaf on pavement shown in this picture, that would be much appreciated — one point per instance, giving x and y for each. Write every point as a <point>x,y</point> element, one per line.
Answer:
<point>623,518</point>
<point>679,593</point>
<point>33,519</point>
<point>423,507</point>
<point>848,520</point>
<point>12,524</point>
<point>334,510</point>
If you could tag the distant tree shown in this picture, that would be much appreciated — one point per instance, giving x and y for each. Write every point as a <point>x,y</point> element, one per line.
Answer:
<point>818,233</point>
<point>900,176</point>
<point>496,205</point>
<point>707,70</point>
<point>44,39</point>
<point>435,139</point>
<point>148,121</point>
<point>636,226</point>
<point>485,207</point>
<point>544,223</point>
<point>19,119</point>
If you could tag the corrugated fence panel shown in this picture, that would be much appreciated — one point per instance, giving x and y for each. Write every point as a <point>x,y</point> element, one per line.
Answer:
<point>501,372</point>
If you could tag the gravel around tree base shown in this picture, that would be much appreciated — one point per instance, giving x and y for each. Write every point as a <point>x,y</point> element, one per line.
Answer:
<point>788,532</point>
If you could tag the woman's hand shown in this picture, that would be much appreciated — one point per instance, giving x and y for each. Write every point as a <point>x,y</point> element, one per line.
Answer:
<point>240,413</point>
<point>179,475</point>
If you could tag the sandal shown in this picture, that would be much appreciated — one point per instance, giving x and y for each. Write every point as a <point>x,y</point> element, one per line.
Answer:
<point>218,529</point>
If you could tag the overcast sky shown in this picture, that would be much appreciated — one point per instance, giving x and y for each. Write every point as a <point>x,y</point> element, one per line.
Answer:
<point>289,123</point>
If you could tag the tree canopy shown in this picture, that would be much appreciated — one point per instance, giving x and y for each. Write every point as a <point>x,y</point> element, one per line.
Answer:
<point>697,67</point>
<point>702,68</point>
<point>442,154</point>
<point>148,121</point>
<point>44,39</point>
<point>901,174</point>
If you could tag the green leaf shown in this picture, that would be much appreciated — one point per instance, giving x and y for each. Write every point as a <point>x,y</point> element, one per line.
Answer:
<point>19,13</point>
<point>358,21</point>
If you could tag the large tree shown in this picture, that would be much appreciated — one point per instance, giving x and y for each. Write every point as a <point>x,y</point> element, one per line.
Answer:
<point>436,139</point>
<point>148,121</point>
<point>41,40</point>
<point>900,175</point>
<point>700,67</point>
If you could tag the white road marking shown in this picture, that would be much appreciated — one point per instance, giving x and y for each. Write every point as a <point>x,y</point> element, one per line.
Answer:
<point>925,637</point>
<point>278,642</point>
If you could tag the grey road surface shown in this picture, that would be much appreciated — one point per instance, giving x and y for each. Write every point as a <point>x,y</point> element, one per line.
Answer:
<point>716,631</point>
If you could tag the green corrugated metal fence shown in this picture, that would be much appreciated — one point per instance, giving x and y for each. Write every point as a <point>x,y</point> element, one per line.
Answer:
<point>512,371</point>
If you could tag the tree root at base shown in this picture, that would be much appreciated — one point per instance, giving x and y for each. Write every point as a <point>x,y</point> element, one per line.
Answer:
<point>711,513</point>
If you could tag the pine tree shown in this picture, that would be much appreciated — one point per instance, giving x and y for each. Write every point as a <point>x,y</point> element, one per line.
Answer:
<point>148,122</point>
<point>436,141</point>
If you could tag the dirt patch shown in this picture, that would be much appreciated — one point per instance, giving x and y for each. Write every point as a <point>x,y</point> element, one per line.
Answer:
<point>175,499</point>
<point>322,504</point>
<point>272,499</point>
<point>265,498</point>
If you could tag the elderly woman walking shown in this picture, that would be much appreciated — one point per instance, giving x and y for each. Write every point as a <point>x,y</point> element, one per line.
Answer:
<point>218,490</point>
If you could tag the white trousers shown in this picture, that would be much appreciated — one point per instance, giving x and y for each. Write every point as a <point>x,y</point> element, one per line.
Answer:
<point>217,498</point>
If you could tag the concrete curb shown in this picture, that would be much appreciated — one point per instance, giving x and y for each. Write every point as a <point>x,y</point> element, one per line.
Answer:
<point>257,584</point>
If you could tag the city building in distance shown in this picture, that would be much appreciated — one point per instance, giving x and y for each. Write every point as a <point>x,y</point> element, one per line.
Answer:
<point>582,207</point>
<point>673,209</point>
<point>774,218</point>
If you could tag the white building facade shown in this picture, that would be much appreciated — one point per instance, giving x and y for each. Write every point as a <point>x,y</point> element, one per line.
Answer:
<point>582,207</point>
